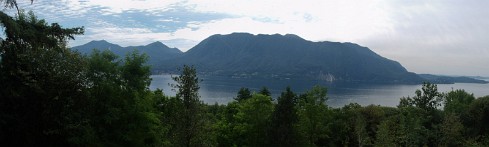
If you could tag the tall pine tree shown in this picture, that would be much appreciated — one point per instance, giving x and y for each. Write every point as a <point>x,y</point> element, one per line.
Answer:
<point>283,127</point>
<point>191,121</point>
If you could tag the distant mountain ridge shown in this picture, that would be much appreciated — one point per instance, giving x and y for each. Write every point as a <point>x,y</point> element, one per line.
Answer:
<point>290,56</point>
<point>157,51</point>
<point>450,79</point>
<point>244,55</point>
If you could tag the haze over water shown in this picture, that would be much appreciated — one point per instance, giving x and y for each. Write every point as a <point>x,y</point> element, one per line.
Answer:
<point>222,90</point>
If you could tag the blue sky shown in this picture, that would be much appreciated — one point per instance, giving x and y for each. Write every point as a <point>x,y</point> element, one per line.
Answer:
<point>448,37</point>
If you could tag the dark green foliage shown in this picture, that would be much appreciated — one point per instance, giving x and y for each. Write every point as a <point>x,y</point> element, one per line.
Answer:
<point>41,97</point>
<point>314,116</point>
<point>451,131</point>
<point>457,101</point>
<point>55,97</point>
<point>243,94</point>
<point>190,122</point>
<point>226,133</point>
<point>122,108</point>
<point>427,99</point>
<point>265,91</point>
<point>12,4</point>
<point>252,119</point>
<point>134,74</point>
<point>478,118</point>
<point>51,96</point>
<point>283,126</point>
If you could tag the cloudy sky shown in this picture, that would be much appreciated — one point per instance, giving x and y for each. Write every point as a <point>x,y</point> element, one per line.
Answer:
<point>449,37</point>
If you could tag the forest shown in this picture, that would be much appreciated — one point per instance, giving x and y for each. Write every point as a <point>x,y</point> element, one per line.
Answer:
<point>52,96</point>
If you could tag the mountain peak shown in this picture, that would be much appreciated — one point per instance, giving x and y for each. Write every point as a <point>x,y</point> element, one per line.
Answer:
<point>99,41</point>
<point>157,51</point>
<point>241,34</point>
<point>288,56</point>
<point>158,44</point>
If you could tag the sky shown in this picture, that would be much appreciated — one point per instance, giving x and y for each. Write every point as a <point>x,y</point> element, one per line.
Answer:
<point>448,37</point>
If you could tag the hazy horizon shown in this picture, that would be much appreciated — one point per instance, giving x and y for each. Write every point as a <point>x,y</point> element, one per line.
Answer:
<point>435,37</point>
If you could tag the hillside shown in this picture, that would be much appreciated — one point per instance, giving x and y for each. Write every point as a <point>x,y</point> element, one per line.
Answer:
<point>289,56</point>
<point>450,79</point>
<point>157,51</point>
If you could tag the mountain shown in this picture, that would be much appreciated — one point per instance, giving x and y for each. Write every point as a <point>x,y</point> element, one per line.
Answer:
<point>450,79</point>
<point>289,56</point>
<point>157,51</point>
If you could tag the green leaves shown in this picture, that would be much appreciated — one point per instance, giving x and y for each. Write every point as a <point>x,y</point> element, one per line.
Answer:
<point>314,115</point>
<point>283,127</point>
<point>457,101</point>
<point>429,99</point>
<point>135,73</point>
<point>43,83</point>
<point>243,94</point>
<point>122,109</point>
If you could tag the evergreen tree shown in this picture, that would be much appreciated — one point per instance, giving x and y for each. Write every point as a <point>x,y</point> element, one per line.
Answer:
<point>243,94</point>
<point>265,91</point>
<point>191,122</point>
<point>283,127</point>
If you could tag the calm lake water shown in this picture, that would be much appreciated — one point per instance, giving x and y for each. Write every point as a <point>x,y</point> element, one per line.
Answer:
<point>223,89</point>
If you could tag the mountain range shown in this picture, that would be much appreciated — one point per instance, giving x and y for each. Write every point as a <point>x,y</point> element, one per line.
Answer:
<point>157,51</point>
<point>244,55</point>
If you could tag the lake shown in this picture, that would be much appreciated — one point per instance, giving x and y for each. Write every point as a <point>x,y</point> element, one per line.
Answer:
<point>223,89</point>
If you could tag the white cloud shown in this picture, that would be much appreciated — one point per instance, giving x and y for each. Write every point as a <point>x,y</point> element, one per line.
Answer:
<point>316,20</point>
<point>345,21</point>
<point>120,6</point>
<point>126,36</point>
<point>439,36</point>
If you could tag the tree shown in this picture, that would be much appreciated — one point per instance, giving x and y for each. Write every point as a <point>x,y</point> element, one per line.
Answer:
<point>367,124</point>
<point>283,127</point>
<point>42,96</point>
<point>226,126</point>
<point>191,122</point>
<point>264,91</point>
<point>122,109</point>
<point>412,132</point>
<point>451,131</point>
<point>243,94</point>
<point>429,99</point>
<point>386,134</point>
<point>134,73</point>
<point>252,119</point>
<point>12,4</point>
<point>478,118</point>
<point>457,101</point>
<point>313,115</point>
<point>140,102</point>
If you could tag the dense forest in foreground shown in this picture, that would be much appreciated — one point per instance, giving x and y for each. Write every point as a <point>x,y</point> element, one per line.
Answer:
<point>51,96</point>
